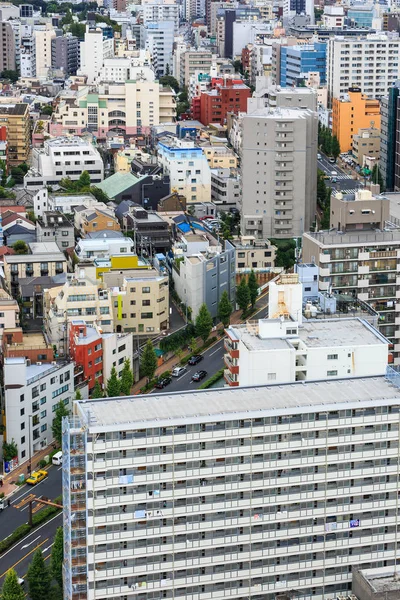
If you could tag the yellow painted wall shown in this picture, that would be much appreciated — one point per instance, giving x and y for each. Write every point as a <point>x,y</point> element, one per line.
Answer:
<point>349,117</point>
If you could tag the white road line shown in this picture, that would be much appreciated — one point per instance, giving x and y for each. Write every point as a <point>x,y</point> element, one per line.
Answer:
<point>48,547</point>
<point>30,543</point>
<point>215,351</point>
<point>59,468</point>
<point>33,533</point>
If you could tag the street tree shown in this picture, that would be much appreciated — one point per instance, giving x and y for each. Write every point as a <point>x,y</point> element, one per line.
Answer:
<point>78,395</point>
<point>148,362</point>
<point>57,556</point>
<point>243,295</point>
<point>204,323</point>
<point>335,147</point>
<point>20,247</point>
<point>38,577</point>
<point>253,288</point>
<point>97,391</point>
<point>225,309</point>
<point>61,411</point>
<point>376,177</point>
<point>11,589</point>
<point>126,378</point>
<point>113,387</point>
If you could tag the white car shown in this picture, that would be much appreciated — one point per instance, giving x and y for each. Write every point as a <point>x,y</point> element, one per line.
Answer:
<point>319,157</point>
<point>178,371</point>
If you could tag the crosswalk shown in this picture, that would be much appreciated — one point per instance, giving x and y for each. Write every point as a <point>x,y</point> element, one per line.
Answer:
<point>347,191</point>
<point>344,176</point>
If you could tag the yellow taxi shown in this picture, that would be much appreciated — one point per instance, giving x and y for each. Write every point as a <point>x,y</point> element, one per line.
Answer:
<point>36,477</point>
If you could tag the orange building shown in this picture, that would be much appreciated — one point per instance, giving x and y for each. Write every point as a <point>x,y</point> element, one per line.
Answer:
<point>352,113</point>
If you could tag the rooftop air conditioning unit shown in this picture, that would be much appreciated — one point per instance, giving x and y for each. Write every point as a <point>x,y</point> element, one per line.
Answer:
<point>39,364</point>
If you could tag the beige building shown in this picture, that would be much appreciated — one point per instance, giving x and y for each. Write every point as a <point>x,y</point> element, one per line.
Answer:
<point>7,47</point>
<point>116,107</point>
<point>366,144</point>
<point>361,210</point>
<point>253,254</point>
<point>45,260</point>
<point>220,157</point>
<point>194,60</point>
<point>16,118</point>
<point>80,297</point>
<point>43,36</point>
<point>9,312</point>
<point>140,301</point>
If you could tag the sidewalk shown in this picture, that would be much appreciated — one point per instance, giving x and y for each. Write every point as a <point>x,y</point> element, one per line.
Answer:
<point>9,487</point>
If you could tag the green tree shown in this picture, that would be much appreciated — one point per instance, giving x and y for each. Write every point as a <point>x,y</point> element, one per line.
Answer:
<point>3,168</point>
<point>321,189</point>
<point>113,387</point>
<point>169,81</point>
<point>97,392</point>
<point>11,589</point>
<point>167,70</point>
<point>99,194</point>
<point>204,323</point>
<point>148,361</point>
<point>224,309</point>
<point>17,174</point>
<point>10,450</point>
<point>84,180</point>
<point>61,411</point>
<point>335,148</point>
<point>20,247</point>
<point>47,110</point>
<point>253,288</point>
<point>57,556</point>
<point>78,30</point>
<point>376,177</point>
<point>126,378</point>
<point>38,577</point>
<point>78,395</point>
<point>9,74</point>
<point>243,294</point>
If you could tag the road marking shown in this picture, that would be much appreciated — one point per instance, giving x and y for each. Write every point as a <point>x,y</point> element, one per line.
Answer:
<point>32,542</point>
<point>48,548</point>
<point>33,533</point>
<point>182,376</point>
<point>25,501</point>
<point>23,558</point>
<point>215,351</point>
<point>59,469</point>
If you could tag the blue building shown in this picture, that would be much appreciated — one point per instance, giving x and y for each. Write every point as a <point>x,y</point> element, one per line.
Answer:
<point>360,16</point>
<point>298,61</point>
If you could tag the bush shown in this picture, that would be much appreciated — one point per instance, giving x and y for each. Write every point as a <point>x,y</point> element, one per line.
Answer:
<point>46,513</point>
<point>178,339</point>
<point>16,535</point>
<point>42,463</point>
<point>212,380</point>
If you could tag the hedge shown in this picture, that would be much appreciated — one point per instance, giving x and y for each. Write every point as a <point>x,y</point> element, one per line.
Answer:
<point>212,380</point>
<point>23,530</point>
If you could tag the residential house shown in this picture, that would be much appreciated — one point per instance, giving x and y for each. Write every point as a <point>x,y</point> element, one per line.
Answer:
<point>95,218</point>
<point>55,226</point>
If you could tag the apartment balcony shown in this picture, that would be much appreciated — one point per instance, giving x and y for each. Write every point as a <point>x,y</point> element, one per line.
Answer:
<point>362,270</point>
<point>233,368</point>
<point>231,348</point>
<point>230,378</point>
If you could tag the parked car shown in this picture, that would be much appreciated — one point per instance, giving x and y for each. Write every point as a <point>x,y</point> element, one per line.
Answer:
<point>178,371</point>
<point>36,477</point>
<point>199,375</point>
<point>195,359</point>
<point>319,156</point>
<point>161,383</point>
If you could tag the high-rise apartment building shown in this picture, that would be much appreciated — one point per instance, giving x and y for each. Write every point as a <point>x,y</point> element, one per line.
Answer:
<point>65,54</point>
<point>239,493</point>
<point>279,153</point>
<point>7,47</point>
<point>16,118</point>
<point>43,36</point>
<point>94,50</point>
<point>351,112</point>
<point>193,60</point>
<point>296,62</point>
<point>158,38</point>
<point>370,63</point>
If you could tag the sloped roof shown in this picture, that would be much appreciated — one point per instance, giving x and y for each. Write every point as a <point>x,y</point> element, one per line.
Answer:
<point>117,184</point>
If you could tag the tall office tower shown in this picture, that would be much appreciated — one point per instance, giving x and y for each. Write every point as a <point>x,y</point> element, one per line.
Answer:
<point>279,179</point>
<point>7,47</point>
<point>370,63</point>
<point>65,54</point>
<point>241,493</point>
<point>389,136</point>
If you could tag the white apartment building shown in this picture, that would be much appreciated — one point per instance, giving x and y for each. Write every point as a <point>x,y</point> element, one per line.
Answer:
<point>240,493</point>
<point>64,157</point>
<point>161,11</point>
<point>117,348</point>
<point>63,203</point>
<point>158,38</point>
<point>187,167</point>
<point>80,296</point>
<point>279,153</point>
<point>370,63</point>
<point>31,395</point>
<point>225,188</point>
<point>94,50</point>
<point>43,34</point>
<point>104,247</point>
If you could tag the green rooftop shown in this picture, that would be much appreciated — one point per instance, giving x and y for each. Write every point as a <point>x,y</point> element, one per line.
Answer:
<point>117,184</point>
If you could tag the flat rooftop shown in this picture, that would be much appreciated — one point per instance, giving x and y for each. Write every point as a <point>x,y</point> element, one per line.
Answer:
<point>381,580</point>
<point>29,341</point>
<point>241,402</point>
<point>355,238</point>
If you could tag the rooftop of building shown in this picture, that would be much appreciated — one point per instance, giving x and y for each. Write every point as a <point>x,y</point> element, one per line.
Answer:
<point>278,113</point>
<point>324,333</point>
<point>91,334</point>
<point>35,371</point>
<point>53,219</point>
<point>117,184</point>
<point>29,341</point>
<point>382,580</point>
<point>241,403</point>
<point>14,109</point>
<point>68,141</point>
<point>355,238</point>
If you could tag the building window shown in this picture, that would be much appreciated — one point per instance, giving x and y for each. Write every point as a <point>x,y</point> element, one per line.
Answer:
<point>148,315</point>
<point>331,373</point>
<point>43,427</point>
<point>145,290</point>
<point>332,356</point>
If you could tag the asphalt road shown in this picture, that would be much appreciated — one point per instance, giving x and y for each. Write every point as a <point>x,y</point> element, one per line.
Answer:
<point>212,362</point>
<point>18,513</point>
<point>345,182</point>
<point>19,556</point>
